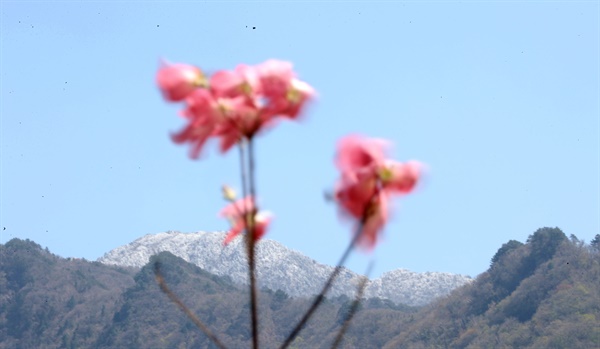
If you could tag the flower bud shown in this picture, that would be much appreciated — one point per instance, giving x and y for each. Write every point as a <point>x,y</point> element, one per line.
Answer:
<point>228,193</point>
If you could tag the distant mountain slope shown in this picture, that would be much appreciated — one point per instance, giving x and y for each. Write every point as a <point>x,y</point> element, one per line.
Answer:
<point>543,293</point>
<point>51,302</point>
<point>281,268</point>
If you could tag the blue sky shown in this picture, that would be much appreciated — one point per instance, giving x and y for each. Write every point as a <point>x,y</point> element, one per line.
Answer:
<point>499,99</point>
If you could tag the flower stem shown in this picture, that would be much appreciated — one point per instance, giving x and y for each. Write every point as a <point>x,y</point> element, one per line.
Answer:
<point>252,247</point>
<point>248,185</point>
<point>319,299</point>
<point>241,146</point>
<point>353,308</point>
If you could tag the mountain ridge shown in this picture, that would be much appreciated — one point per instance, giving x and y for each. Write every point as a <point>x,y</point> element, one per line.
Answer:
<point>298,275</point>
<point>542,293</point>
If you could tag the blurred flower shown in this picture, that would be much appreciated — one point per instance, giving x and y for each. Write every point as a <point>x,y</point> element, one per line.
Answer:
<point>232,105</point>
<point>290,104</point>
<point>357,153</point>
<point>239,119</point>
<point>375,221</point>
<point>202,113</point>
<point>400,177</point>
<point>177,81</point>
<point>242,81</point>
<point>275,77</point>
<point>368,180</point>
<point>354,191</point>
<point>238,212</point>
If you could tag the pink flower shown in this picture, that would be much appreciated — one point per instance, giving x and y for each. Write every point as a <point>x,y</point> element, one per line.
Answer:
<point>275,78</point>
<point>354,192</point>
<point>367,181</point>
<point>362,201</point>
<point>237,212</point>
<point>202,112</point>
<point>201,106</point>
<point>401,177</point>
<point>375,221</point>
<point>194,134</point>
<point>243,81</point>
<point>290,104</point>
<point>177,81</point>
<point>235,104</point>
<point>299,93</point>
<point>356,153</point>
<point>239,119</point>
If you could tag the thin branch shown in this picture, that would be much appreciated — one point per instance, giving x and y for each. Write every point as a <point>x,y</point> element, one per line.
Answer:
<point>319,299</point>
<point>163,286</point>
<point>353,308</point>
<point>244,175</point>
<point>251,234</point>
<point>247,174</point>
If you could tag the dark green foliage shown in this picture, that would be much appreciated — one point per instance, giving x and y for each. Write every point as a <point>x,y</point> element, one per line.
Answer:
<point>595,243</point>
<point>542,294</point>
<point>513,263</point>
<point>343,312</point>
<point>543,244</point>
<point>49,302</point>
<point>507,247</point>
<point>279,300</point>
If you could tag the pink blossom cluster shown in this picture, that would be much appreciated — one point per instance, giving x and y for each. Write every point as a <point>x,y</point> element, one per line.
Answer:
<point>368,180</point>
<point>232,105</point>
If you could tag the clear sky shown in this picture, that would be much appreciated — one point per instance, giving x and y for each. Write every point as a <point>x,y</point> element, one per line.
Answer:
<point>500,99</point>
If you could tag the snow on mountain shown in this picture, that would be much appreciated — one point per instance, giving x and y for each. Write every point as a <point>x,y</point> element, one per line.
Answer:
<point>281,268</point>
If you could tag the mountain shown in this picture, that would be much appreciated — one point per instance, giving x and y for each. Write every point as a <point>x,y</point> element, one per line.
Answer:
<point>543,293</point>
<point>280,268</point>
<point>51,302</point>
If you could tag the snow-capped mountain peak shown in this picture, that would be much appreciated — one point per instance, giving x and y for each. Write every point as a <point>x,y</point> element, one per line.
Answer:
<point>281,268</point>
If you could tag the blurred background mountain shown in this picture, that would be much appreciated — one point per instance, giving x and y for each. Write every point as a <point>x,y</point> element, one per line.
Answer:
<point>540,293</point>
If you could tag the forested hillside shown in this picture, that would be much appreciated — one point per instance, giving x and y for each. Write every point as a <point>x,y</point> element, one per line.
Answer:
<point>543,293</point>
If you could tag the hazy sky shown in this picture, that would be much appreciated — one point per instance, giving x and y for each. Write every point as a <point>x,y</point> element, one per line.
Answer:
<point>499,99</point>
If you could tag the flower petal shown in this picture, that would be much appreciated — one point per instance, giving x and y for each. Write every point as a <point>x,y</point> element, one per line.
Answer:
<point>177,81</point>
